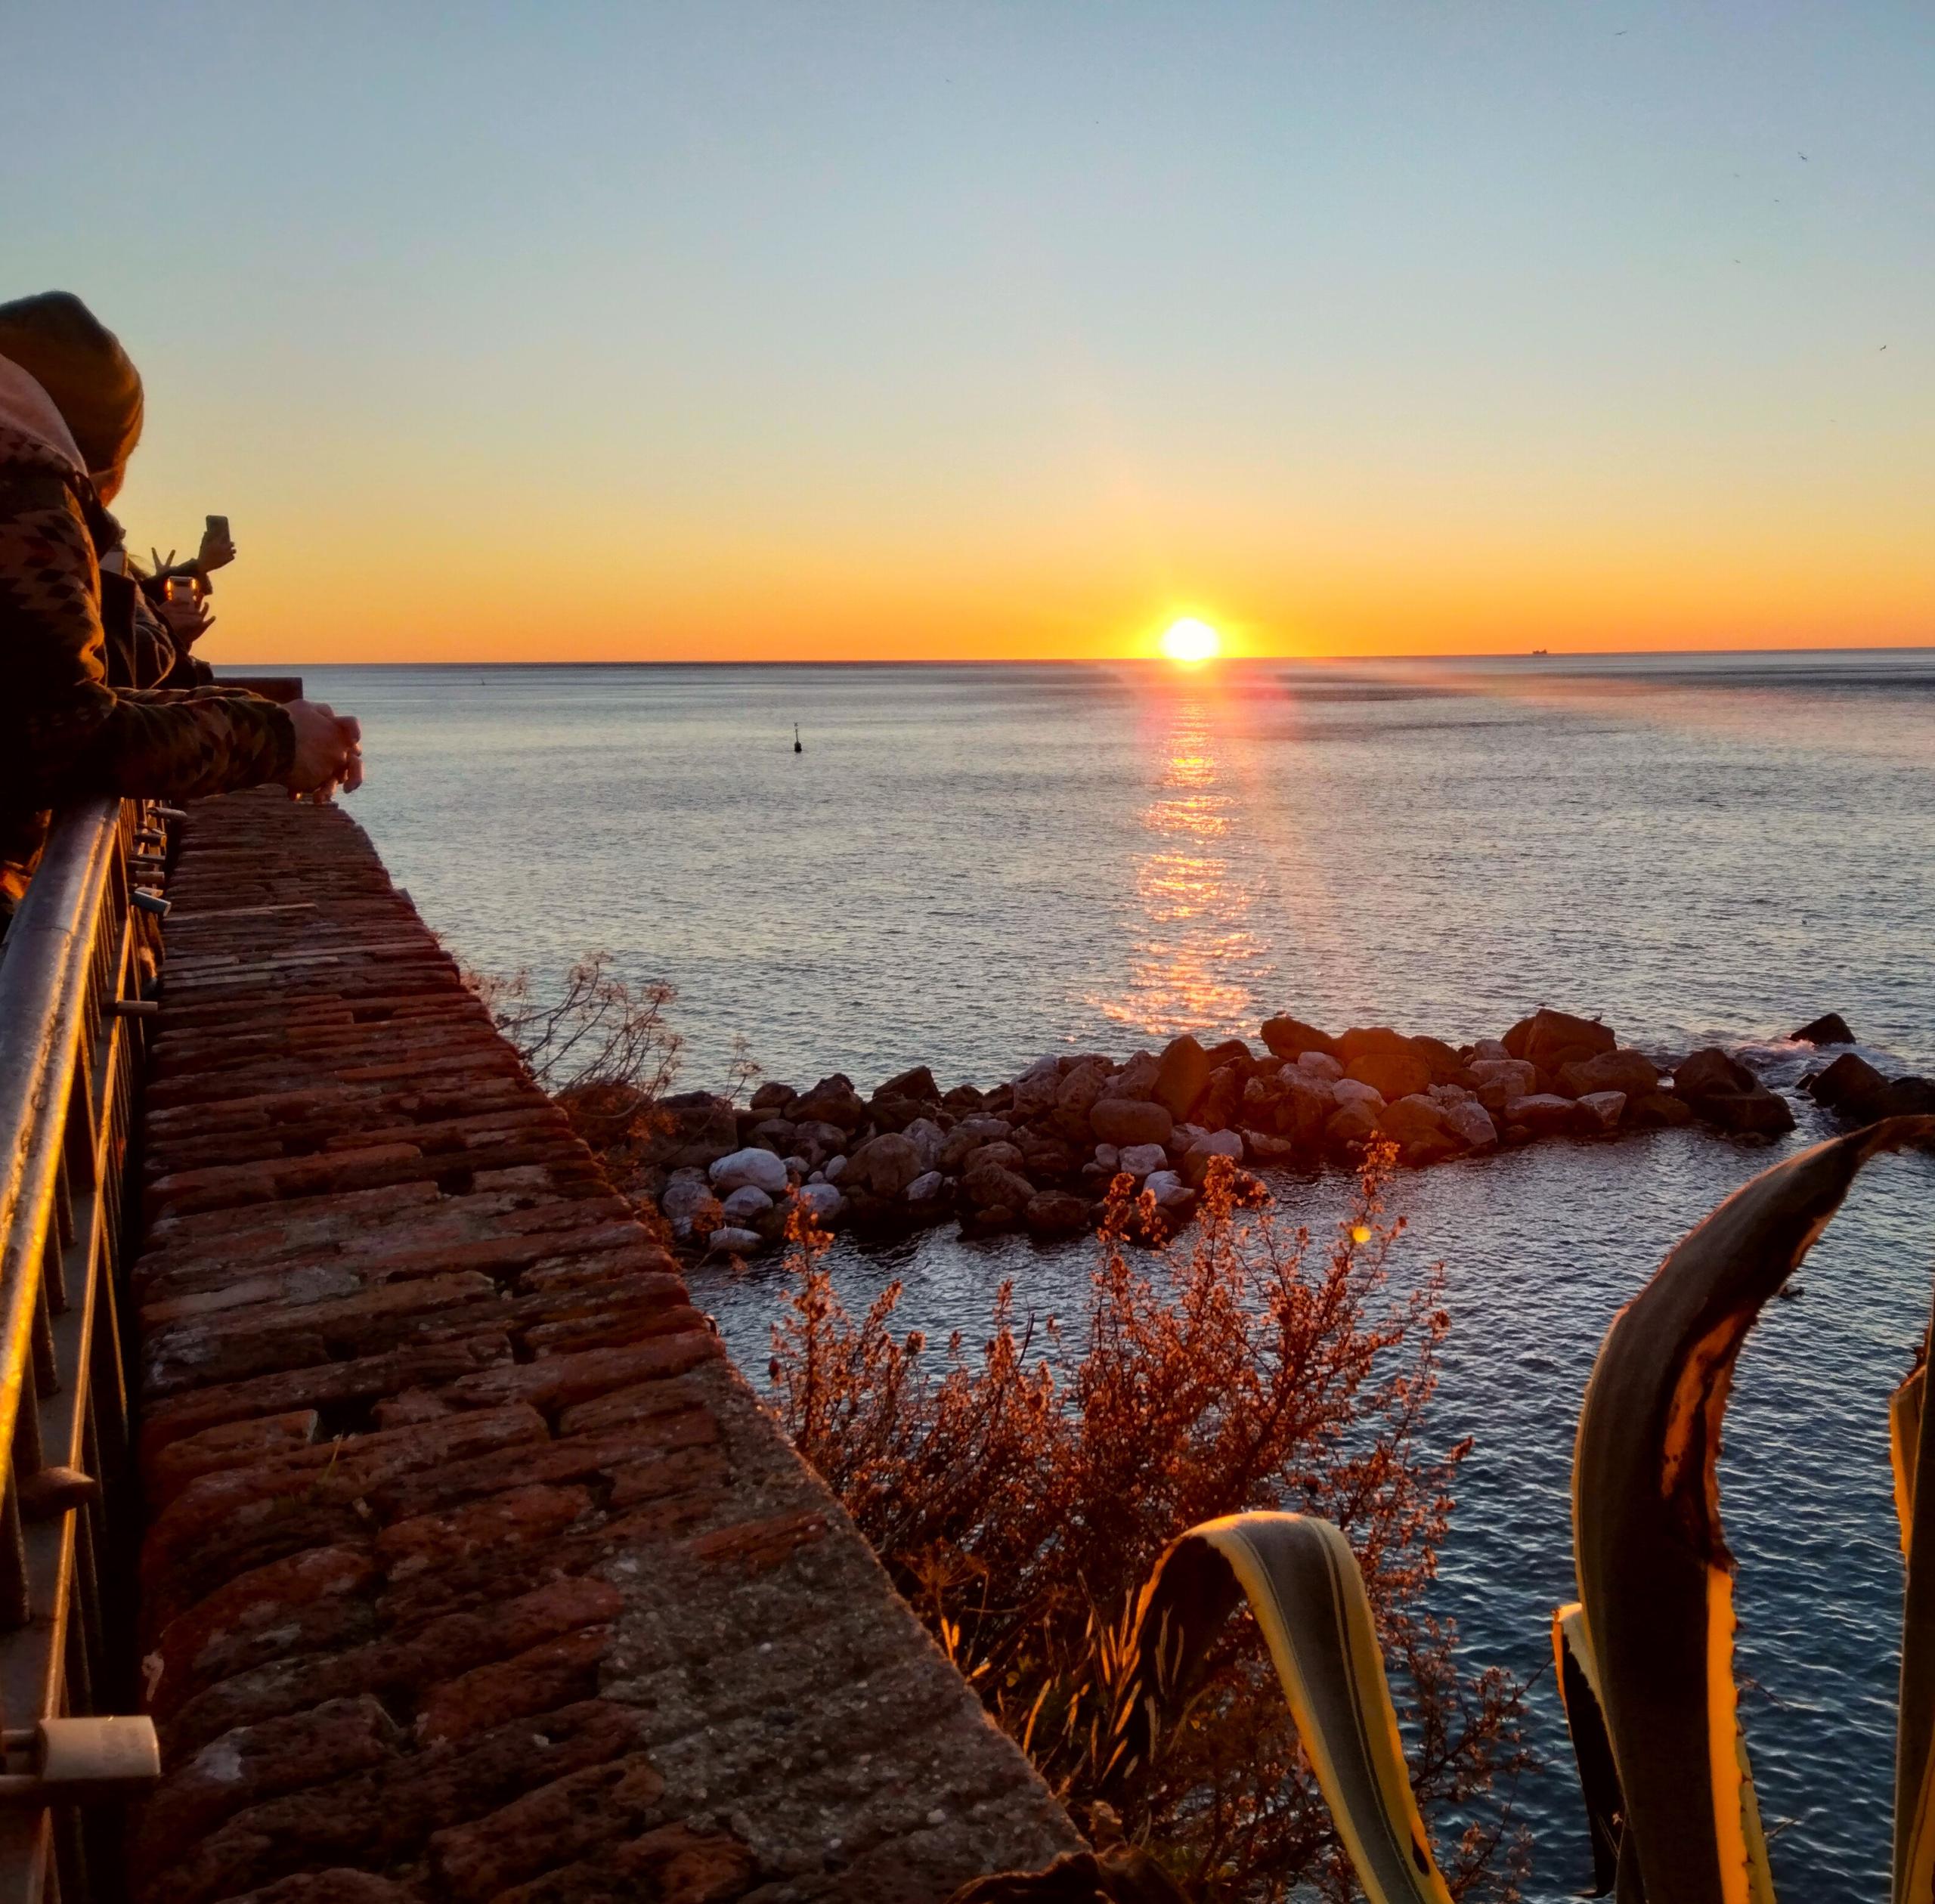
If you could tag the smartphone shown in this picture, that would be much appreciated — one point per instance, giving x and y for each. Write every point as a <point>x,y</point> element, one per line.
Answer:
<point>218,525</point>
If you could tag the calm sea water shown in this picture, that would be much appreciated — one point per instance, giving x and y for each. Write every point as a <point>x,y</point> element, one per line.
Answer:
<point>969,866</point>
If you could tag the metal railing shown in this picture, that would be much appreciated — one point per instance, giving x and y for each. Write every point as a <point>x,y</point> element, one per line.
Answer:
<point>81,953</point>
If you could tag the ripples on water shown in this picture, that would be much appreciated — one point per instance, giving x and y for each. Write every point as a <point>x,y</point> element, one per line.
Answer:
<point>969,866</point>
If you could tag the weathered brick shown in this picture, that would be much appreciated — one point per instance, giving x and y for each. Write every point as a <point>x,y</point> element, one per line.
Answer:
<point>234,1444</point>
<point>558,1381</point>
<point>511,1519</point>
<point>254,1763</point>
<point>553,1673</point>
<point>554,1825</point>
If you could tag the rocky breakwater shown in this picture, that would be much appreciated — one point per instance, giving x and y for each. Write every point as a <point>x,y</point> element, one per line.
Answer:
<point>1041,1152</point>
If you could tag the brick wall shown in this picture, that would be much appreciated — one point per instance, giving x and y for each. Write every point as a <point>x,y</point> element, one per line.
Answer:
<point>472,1571</point>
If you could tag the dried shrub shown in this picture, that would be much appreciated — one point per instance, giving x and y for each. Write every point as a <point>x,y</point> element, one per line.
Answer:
<point>1020,1494</point>
<point>599,1044</point>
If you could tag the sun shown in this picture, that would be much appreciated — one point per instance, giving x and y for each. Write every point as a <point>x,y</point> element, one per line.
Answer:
<point>1191,642</point>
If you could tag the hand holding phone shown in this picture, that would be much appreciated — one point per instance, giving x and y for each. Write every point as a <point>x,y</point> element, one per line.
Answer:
<point>218,548</point>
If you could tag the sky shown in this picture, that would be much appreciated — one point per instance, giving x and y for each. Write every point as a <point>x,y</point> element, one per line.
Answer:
<point>924,330</point>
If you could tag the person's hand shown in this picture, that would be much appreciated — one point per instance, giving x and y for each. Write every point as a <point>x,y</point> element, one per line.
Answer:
<point>188,621</point>
<point>329,751</point>
<point>217,551</point>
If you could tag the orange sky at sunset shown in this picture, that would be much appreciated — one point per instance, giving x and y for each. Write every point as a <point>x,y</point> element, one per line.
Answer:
<point>740,333</point>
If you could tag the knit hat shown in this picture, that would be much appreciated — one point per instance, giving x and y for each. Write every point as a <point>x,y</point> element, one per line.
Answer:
<point>79,363</point>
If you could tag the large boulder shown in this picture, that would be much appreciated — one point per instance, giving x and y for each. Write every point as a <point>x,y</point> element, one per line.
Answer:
<point>745,1205</point>
<point>817,1141</point>
<point>1498,1081</point>
<point>1851,1087</point>
<point>1214,1143</point>
<point>1173,1196</point>
<point>1361,1041</point>
<point>1076,1094</point>
<point>1722,1092</point>
<point>1391,1074</point>
<point>1628,1071</point>
<point>1354,1091</point>
<point>1654,1110</point>
<point>1126,1120</point>
<point>1055,1213</point>
<point>1304,1103</point>
<point>729,1240</point>
<point>1416,1125</point>
<point>1001,1151</point>
<point>761,1168</point>
<point>1138,1160</point>
<point>926,1137</point>
<point>1550,1039</point>
<point>1290,1037</point>
<point>772,1097</point>
<point>833,1100</point>
<point>1182,1075</point>
<point>1598,1112</point>
<point>1446,1065</point>
<point>989,1185</point>
<point>1135,1079</point>
<point>1320,1065</point>
<point>695,1128</point>
<point>928,1194</point>
<point>1221,1102</point>
<point>778,1134</point>
<point>1036,1092</point>
<point>885,1166</point>
<point>1542,1113</point>
<point>823,1201</point>
<point>1352,1125</point>
<point>1470,1123</point>
<point>917,1084</point>
<point>1829,1029</point>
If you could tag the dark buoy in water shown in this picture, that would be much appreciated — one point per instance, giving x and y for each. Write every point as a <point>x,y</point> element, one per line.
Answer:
<point>796,748</point>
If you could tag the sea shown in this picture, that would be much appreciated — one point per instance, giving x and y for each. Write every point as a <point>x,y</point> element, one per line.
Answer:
<point>971,866</point>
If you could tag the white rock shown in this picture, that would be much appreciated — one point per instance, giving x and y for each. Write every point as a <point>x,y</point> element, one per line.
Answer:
<point>798,1167</point>
<point>1350,1091</point>
<point>1043,1067</point>
<point>925,1187</point>
<point>1108,1156</point>
<point>1166,1187</point>
<point>836,1168</point>
<point>1138,1160</point>
<point>1469,1120</point>
<point>1449,1093</point>
<point>817,1176</point>
<point>759,1168</point>
<point>926,1137</point>
<point>1321,1066</point>
<point>1490,1049</point>
<point>746,1203</point>
<point>823,1199</point>
<point>727,1241</point>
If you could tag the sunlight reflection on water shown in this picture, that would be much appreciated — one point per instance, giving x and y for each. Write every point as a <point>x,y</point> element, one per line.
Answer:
<point>969,866</point>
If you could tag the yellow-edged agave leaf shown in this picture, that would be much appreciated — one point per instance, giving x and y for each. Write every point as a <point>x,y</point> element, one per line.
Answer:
<point>1303,1585</point>
<point>1578,1676</point>
<point>1904,1445</point>
<point>1655,1574</point>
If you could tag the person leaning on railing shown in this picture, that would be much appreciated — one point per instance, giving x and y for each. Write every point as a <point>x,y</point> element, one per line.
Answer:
<point>70,416</point>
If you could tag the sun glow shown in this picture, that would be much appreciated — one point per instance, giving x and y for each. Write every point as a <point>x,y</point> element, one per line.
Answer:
<point>1191,642</point>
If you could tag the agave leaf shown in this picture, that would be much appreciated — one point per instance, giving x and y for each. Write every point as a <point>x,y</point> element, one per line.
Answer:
<point>1655,1574</point>
<point>1904,1446</point>
<point>1578,1676</point>
<point>1303,1585</point>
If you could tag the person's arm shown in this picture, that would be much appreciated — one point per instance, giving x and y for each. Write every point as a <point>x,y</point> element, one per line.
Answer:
<point>63,732</point>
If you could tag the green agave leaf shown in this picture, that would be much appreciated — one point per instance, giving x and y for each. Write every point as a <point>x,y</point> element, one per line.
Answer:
<point>1303,1585</point>
<point>1655,1578</point>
